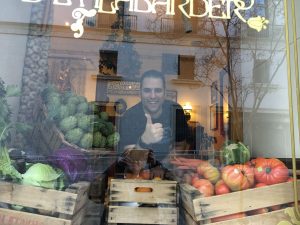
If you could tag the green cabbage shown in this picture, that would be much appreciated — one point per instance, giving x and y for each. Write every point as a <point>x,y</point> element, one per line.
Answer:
<point>41,175</point>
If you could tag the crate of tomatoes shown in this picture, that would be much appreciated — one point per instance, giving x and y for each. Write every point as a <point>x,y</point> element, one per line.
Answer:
<point>252,192</point>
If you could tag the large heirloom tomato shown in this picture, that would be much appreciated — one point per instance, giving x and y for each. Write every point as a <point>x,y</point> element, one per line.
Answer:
<point>205,187</point>
<point>238,177</point>
<point>271,171</point>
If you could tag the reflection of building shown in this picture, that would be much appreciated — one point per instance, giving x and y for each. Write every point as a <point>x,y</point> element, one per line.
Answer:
<point>156,41</point>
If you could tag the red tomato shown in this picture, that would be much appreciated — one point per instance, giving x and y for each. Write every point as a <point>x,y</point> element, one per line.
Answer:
<point>257,211</point>
<point>260,185</point>
<point>195,178</point>
<point>275,207</point>
<point>205,187</point>
<point>221,188</point>
<point>228,217</point>
<point>238,177</point>
<point>271,171</point>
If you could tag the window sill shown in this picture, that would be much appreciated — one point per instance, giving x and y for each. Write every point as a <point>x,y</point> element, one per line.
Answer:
<point>188,82</point>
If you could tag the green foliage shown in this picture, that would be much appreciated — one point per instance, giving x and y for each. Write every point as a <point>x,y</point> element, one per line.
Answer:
<point>86,141</point>
<point>68,123</point>
<point>73,136</point>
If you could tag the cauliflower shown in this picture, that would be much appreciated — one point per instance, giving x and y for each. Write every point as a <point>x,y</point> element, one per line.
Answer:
<point>73,136</point>
<point>86,141</point>
<point>84,121</point>
<point>113,139</point>
<point>68,123</point>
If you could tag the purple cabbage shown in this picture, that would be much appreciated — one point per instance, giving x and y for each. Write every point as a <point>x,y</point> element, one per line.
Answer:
<point>74,164</point>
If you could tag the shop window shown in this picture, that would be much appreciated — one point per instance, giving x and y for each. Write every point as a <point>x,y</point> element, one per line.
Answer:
<point>108,62</point>
<point>260,8</point>
<point>261,72</point>
<point>186,67</point>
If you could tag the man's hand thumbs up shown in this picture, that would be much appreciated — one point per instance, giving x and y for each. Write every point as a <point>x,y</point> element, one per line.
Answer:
<point>153,132</point>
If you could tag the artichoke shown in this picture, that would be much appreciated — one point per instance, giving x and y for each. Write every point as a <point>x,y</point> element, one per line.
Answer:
<point>73,136</point>
<point>97,139</point>
<point>68,123</point>
<point>86,141</point>
<point>104,116</point>
<point>63,112</point>
<point>84,122</point>
<point>72,108</point>
<point>113,139</point>
<point>82,107</point>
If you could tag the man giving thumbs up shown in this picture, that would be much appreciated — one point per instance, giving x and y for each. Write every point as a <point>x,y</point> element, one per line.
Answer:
<point>154,123</point>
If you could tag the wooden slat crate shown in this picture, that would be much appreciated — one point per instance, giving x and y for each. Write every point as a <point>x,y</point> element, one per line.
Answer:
<point>202,209</point>
<point>54,207</point>
<point>271,218</point>
<point>160,204</point>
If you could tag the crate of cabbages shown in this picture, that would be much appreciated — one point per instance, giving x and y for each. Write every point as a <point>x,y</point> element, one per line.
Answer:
<point>69,119</point>
<point>26,204</point>
<point>142,201</point>
<point>254,192</point>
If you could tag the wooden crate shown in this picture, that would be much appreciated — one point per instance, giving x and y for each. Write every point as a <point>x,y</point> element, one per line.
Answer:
<point>55,207</point>
<point>202,209</point>
<point>271,218</point>
<point>160,205</point>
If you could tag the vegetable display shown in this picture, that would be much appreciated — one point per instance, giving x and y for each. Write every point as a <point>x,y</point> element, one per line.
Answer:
<point>234,153</point>
<point>38,174</point>
<point>82,123</point>
<point>271,171</point>
<point>73,163</point>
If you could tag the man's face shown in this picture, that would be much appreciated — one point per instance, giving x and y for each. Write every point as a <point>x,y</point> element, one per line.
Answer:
<point>152,94</point>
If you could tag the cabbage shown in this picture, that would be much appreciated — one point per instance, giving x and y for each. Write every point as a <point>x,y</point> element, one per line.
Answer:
<point>73,163</point>
<point>41,175</point>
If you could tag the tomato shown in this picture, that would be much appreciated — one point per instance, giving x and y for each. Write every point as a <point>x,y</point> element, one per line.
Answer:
<point>145,174</point>
<point>205,187</point>
<point>271,171</point>
<point>257,211</point>
<point>260,185</point>
<point>212,174</point>
<point>195,178</point>
<point>228,217</point>
<point>275,207</point>
<point>221,188</point>
<point>290,179</point>
<point>238,177</point>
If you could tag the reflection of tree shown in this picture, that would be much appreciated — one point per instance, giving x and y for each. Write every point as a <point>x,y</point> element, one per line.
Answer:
<point>129,60</point>
<point>229,51</point>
